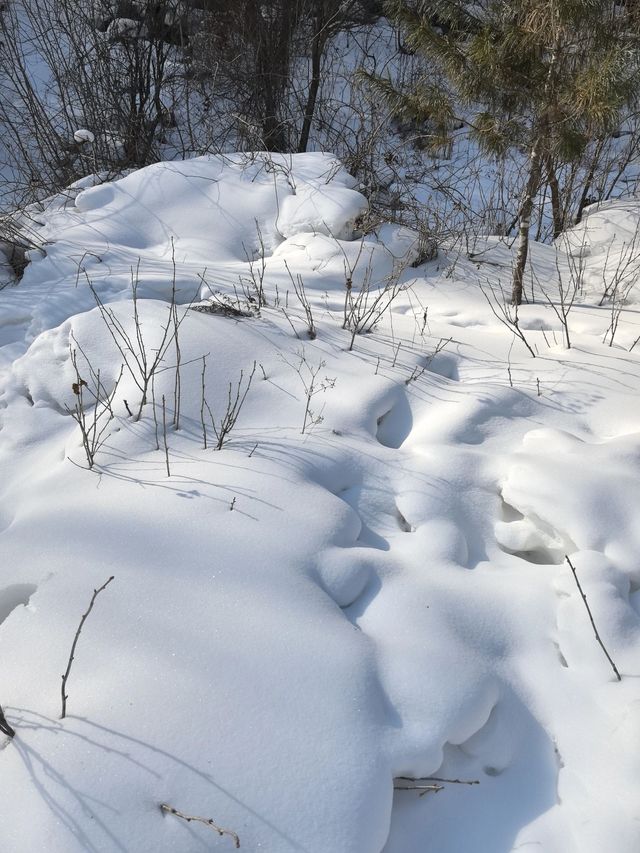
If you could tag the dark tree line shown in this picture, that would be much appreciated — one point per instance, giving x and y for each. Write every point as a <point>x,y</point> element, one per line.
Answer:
<point>146,77</point>
<point>548,85</point>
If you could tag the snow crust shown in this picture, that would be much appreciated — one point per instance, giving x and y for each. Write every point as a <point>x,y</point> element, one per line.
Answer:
<point>297,619</point>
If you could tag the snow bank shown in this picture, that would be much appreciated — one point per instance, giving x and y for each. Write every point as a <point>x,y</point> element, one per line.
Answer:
<point>298,619</point>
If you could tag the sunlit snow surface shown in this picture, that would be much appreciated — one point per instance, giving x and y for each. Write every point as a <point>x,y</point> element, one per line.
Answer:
<point>298,619</point>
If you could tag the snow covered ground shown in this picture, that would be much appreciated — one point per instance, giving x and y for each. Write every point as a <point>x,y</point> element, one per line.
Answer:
<point>301,618</point>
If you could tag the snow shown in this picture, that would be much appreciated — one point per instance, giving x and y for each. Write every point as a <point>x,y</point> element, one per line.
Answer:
<point>298,619</point>
<point>83,135</point>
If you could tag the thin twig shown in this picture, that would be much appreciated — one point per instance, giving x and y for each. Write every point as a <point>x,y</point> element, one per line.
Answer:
<point>427,784</point>
<point>202,402</point>
<point>227,422</point>
<point>155,413</point>
<point>206,820</point>
<point>424,789</point>
<point>164,435</point>
<point>593,624</point>
<point>506,314</point>
<point>65,677</point>
<point>176,326</point>
<point>437,779</point>
<point>417,372</point>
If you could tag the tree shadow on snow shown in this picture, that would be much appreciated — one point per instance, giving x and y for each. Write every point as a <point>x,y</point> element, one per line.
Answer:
<point>80,812</point>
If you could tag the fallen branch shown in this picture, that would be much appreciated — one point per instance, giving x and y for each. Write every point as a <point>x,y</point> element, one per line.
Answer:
<point>593,624</point>
<point>437,779</point>
<point>411,783</point>
<point>96,592</point>
<point>206,820</point>
<point>424,789</point>
<point>5,728</point>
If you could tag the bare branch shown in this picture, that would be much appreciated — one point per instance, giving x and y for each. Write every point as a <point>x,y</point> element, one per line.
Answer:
<point>65,677</point>
<point>437,779</point>
<point>593,624</point>
<point>206,820</point>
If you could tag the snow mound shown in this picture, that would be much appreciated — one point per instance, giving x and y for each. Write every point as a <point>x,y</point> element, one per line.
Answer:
<point>365,583</point>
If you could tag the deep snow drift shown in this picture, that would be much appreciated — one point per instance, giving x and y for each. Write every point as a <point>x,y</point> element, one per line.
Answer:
<point>298,619</point>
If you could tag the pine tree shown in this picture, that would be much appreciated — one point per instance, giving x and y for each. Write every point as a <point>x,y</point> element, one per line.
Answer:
<point>543,76</point>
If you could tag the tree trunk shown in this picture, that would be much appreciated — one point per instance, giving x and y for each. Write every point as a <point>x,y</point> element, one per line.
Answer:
<point>525,222</point>
<point>588,181</point>
<point>556,201</point>
<point>317,49</point>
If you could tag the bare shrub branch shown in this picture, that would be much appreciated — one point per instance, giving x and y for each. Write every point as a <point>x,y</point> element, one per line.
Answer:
<point>298,286</point>
<point>312,385</point>
<point>92,416</point>
<point>235,401</point>
<point>567,291</point>
<point>506,313</point>
<point>418,371</point>
<point>593,624</point>
<point>140,365</point>
<point>257,269</point>
<point>164,435</point>
<point>167,809</point>
<point>65,677</point>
